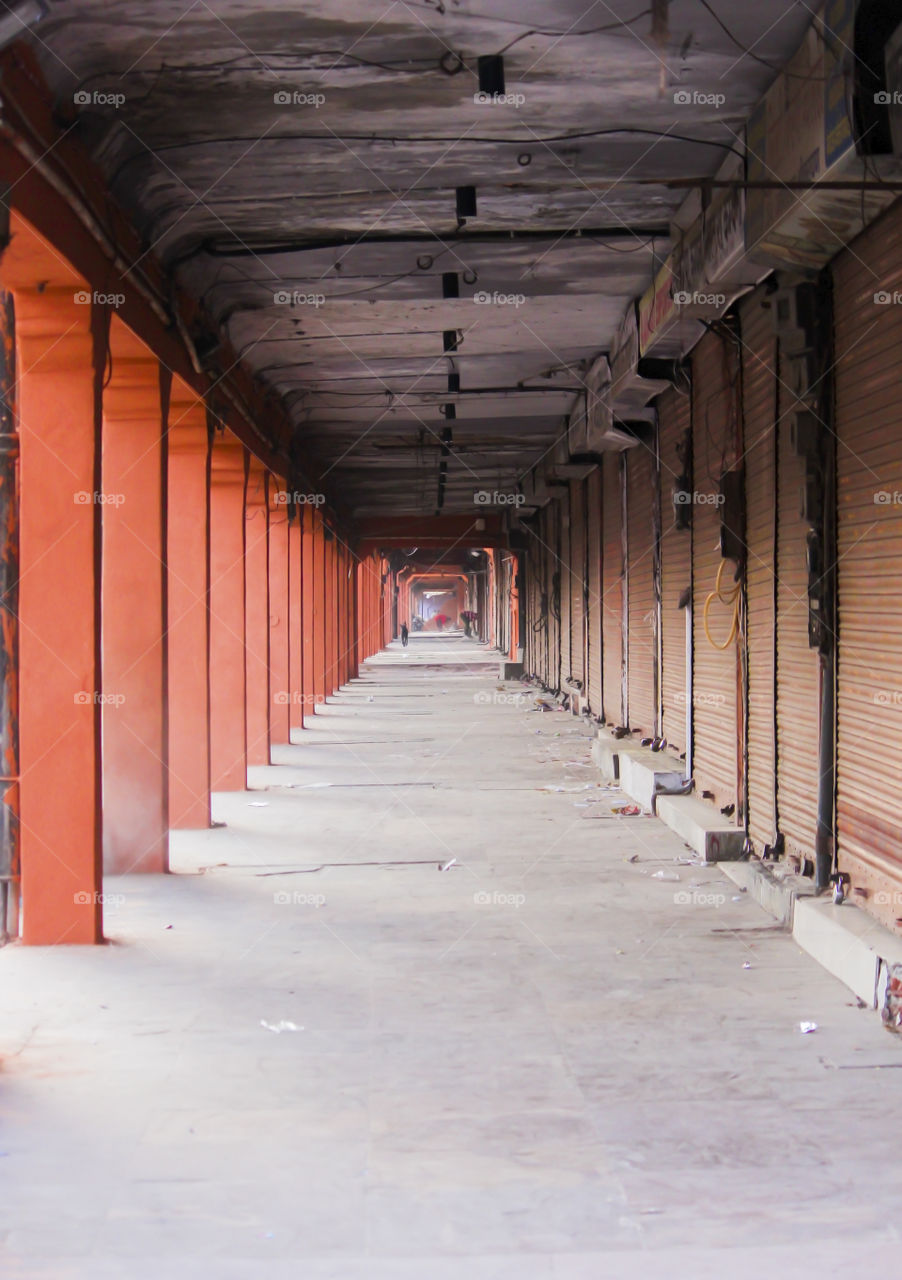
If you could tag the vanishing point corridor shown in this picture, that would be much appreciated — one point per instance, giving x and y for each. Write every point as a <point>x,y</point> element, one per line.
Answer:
<point>450,639</point>
<point>310,1052</point>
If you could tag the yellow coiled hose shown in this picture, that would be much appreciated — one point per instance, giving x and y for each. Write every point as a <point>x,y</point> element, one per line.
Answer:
<point>731,599</point>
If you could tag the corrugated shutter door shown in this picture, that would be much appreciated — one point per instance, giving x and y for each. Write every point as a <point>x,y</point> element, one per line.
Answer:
<point>578,581</point>
<point>869,481</point>
<point>536,622</point>
<point>562,510</point>
<point>642,657</point>
<point>798,666</point>
<point>552,569</point>
<point>546,588</point>
<point>593,557</point>
<point>676,568</point>
<point>715,679</point>
<point>612,590</point>
<point>759,389</point>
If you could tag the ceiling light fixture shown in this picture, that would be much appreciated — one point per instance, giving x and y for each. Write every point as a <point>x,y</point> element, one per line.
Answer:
<point>490,69</point>
<point>465,203</point>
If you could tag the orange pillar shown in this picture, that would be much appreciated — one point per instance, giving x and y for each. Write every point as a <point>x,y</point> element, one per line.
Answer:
<point>279,686</point>
<point>296,616</point>
<point>188,579</point>
<point>343,615</point>
<point>308,684</point>
<point>367,579</point>
<point>228,727</point>
<point>135,808</point>
<point>387,595</point>
<point>330,611</point>
<point>318,619</point>
<point>256,620</point>
<point>59,364</point>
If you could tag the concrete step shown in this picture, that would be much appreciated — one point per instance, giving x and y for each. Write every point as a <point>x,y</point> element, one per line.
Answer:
<point>645,773</point>
<point>845,940</point>
<point>606,751</point>
<point>709,833</point>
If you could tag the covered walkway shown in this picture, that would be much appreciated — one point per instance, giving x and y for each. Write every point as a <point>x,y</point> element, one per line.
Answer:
<point>310,1052</point>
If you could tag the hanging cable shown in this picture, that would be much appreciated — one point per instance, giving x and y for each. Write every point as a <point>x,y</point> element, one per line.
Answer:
<point>729,598</point>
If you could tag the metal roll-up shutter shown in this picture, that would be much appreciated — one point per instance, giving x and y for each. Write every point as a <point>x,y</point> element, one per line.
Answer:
<point>716,673</point>
<point>760,389</point>
<point>641,495</point>
<point>676,565</point>
<point>578,581</point>
<point>543,615</point>
<point>869,485</point>
<point>612,589</point>
<point>593,578</point>
<point>562,511</point>
<point>552,571</point>
<point>798,665</point>
<point>533,620</point>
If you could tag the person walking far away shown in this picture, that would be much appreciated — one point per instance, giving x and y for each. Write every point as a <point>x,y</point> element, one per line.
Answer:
<point>404,634</point>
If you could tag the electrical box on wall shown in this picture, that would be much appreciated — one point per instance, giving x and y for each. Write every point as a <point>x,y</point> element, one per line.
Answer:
<point>732,516</point>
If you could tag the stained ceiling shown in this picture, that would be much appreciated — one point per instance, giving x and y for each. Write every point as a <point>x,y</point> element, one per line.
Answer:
<point>296,168</point>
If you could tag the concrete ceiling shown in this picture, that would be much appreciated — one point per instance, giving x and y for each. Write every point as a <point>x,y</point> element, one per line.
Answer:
<point>317,230</point>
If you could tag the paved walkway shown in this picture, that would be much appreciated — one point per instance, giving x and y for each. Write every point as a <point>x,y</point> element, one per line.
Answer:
<point>310,1054</point>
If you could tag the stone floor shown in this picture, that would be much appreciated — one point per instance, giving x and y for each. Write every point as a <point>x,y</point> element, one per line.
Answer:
<point>311,1054</point>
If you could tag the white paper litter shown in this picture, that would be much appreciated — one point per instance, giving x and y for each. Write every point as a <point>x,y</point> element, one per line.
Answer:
<point>279,1027</point>
<point>806,1028</point>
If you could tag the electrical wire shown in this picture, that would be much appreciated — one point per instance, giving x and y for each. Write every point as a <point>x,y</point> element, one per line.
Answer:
<point>731,599</point>
<point>563,35</point>
<point>396,140</point>
<point>749,53</point>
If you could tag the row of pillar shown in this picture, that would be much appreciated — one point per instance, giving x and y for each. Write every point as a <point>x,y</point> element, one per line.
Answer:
<point>179,612</point>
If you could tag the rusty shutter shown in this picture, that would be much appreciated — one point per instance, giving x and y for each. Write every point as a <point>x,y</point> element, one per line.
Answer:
<point>869,485</point>
<point>562,511</point>
<point>716,673</point>
<point>552,570</point>
<point>612,589</point>
<point>534,621</point>
<point>641,485</point>
<point>577,567</point>
<point>760,413</point>
<point>676,565</point>
<point>798,666</point>
<point>543,616</point>
<point>593,578</point>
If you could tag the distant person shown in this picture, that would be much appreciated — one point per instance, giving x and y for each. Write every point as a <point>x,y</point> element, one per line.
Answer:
<point>404,634</point>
